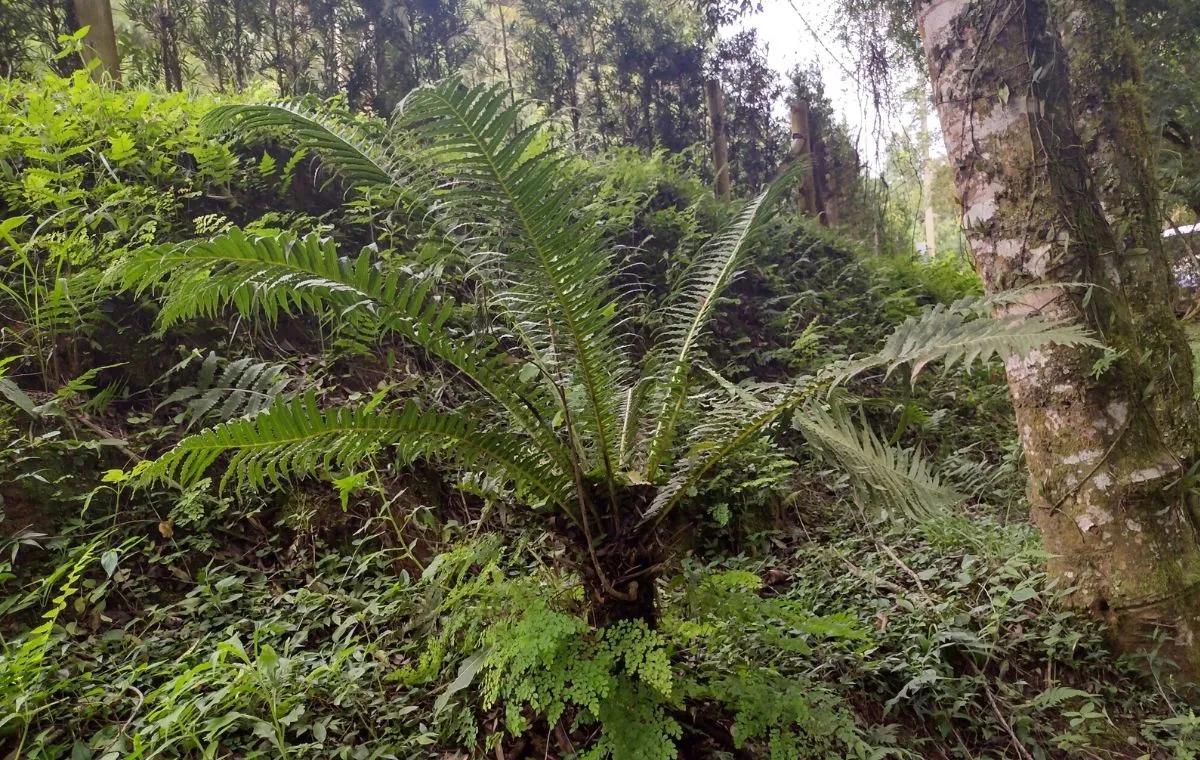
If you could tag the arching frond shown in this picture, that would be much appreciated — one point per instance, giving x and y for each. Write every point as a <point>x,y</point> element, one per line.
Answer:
<point>689,310</point>
<point>549,271</point>
<point>296,439</point>
<point>362,160</point>
<point>895,477</point>
<point>953,336</point>
<point>270,275</point>
<point>258,274</point>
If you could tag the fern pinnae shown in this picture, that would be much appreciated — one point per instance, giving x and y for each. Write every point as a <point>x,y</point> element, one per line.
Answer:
<point>559,276</point>
<point>297,438</point>
<point>352,153</point>
<point>708,275</point>
<point>707,453</point>
<point>899,478</point>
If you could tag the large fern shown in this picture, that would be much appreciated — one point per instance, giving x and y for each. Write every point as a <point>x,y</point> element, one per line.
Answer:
<point>561,413</point>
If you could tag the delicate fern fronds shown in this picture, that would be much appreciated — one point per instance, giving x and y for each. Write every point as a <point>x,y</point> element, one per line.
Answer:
<point>691,306</point>
<point>550,273</point>
<point>297,438</point>
<point>241,388</point>
<point>360,159</point>
<point>896,477</point>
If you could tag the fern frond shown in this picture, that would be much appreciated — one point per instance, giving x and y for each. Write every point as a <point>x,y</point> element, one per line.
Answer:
<point>952,336</point>
<point>715,441</point>
<point>264,274</point>
<point>689,311</point>
<point>270,275</point>
<point>897,477</point>
<point>297,438</point>
<point>241,388</point>
<point>362,160</point>
<point>549,271</point>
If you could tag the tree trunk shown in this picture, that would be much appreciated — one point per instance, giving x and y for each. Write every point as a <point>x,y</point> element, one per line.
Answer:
<point>101,41</point>
<point>801,149</point>
<point>1111,117</point>
<point>927,184</point>
<point>239,47</point>
<point>597,88</point>
<point>168,43</point>
<point>1102,473</point>
<point>647,100</point>
<point>720,140</point>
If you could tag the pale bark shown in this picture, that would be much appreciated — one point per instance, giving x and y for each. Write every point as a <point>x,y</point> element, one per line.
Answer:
<point>101,40</point>
<point>927,185</point>
<point>801,150</point>
<point>1102,474</point>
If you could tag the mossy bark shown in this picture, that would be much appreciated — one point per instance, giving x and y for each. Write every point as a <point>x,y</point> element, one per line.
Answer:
<point>1110,116</point>
<point>1104,451</point>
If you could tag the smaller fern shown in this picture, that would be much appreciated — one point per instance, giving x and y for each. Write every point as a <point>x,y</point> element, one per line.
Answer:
<point>240,388</point>
<point>896,477</point>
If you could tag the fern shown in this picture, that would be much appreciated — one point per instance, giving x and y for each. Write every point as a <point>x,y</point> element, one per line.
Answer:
<point>552,278</point>
<point>564,417</point>
<point>257,274</point>
<point>240,388</point>
<point>359,158</point>
<point>896,477</point>
<point>297,438</point>
<point>957,334</point>
<point>692,305</point>
<point>280,274</point>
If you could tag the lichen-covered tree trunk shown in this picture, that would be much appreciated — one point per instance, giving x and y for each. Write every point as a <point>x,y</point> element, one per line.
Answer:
<point>1106,481</point>
<point>1110,115</point>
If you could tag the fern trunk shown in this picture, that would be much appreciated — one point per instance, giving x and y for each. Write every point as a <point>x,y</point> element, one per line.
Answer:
<point>1104,449</point>
<point>620,572</point>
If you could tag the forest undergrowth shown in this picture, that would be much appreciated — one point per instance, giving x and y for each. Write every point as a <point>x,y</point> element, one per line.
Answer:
<point>409,607</point>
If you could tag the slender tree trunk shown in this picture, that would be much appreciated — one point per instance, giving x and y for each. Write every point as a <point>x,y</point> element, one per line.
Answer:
<point>597,88</point>
<point>512,88</point>
<point>101,41</point>
<point>329,51</point>
<point>720,140</point>
<point>573,99</point>
<point>1102,473</point>
<point>647,100</point>
<point>239,46</point>
<point>801,149</point>
<point>168,43</point>
<point>927,185</point>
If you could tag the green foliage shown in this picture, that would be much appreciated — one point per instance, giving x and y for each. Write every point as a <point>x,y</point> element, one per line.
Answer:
<point>240,388</point>
<point>431,377</point>
<point>889,475</point>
